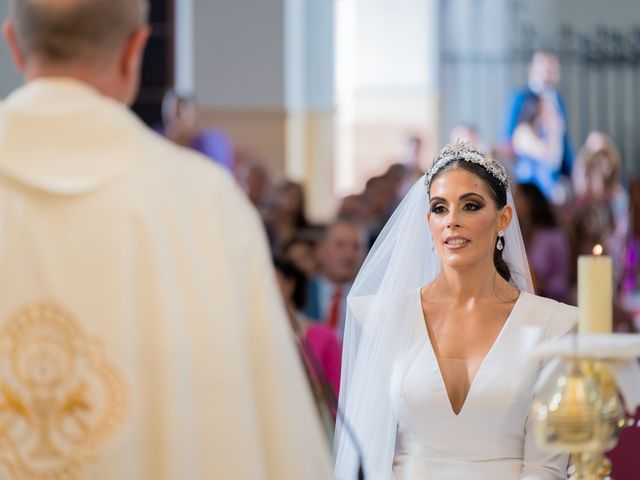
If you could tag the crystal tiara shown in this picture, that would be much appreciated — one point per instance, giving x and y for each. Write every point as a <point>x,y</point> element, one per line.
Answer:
<point>467,152</point>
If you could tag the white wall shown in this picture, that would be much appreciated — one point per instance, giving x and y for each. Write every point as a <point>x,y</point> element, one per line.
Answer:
<point>239,53</point>
<point>392,40</point>
<point>582,14</point>
<point>309,55</point>
<point>185,36</point>
<point>9,77</point>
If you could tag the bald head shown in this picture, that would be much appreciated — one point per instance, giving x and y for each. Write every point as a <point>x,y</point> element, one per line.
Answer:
<point>75,31</point>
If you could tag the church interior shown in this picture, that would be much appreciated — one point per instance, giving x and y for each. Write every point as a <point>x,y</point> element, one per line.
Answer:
<point>324,114</point>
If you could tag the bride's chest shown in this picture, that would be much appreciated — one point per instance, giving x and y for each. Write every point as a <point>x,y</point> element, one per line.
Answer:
<point>500,391</point>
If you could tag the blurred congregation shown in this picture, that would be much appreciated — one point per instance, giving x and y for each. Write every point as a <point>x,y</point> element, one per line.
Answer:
<point>575,186</point>
<point>339,107</point>
<point>571,193</point>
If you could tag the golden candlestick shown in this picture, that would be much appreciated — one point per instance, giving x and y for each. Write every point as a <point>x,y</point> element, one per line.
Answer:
<point>578,412</point>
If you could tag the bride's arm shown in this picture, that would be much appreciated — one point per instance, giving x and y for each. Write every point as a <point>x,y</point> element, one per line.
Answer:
<point>541,464</point>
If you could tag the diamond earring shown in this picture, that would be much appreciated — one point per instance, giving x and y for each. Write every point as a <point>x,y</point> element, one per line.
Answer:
<point>500,244</point>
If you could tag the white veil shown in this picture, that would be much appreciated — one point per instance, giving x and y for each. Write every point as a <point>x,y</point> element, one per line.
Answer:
<point>376,331</point>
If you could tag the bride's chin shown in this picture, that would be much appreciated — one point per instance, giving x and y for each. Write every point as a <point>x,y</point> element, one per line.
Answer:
<point>458,259</point>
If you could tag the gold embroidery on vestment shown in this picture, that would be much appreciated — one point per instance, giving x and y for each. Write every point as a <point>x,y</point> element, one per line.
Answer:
<point>60,398</point>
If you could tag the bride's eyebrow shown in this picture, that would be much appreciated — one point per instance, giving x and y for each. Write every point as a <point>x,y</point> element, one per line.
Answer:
<point>470,194</point>
<point>462,197</point>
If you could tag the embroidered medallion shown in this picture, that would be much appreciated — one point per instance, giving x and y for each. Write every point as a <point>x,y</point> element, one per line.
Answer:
<point>60,398</point>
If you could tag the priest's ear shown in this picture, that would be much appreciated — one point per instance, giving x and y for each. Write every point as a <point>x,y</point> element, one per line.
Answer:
<point>131,59</point>
<point>9,32</point>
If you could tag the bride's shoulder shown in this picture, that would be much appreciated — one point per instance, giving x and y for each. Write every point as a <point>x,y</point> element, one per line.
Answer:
<point>555,317</point>
<point>361,306</point>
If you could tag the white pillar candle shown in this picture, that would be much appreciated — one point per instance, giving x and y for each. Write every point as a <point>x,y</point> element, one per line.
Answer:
<point>595,292</point>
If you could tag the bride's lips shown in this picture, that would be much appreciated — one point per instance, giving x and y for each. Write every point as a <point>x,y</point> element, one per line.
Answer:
<point>456,242</point>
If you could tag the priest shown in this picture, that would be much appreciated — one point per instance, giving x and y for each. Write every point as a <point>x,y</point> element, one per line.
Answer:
<point>141,333</point>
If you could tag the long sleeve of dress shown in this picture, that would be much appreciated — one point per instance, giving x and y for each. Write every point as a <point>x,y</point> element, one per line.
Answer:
<point>540,464</point>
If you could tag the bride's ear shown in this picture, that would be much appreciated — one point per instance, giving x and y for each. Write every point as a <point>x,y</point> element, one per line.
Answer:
<point>504,217</point>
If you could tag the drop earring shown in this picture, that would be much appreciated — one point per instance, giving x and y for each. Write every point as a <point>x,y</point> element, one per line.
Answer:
<point>500,244</point>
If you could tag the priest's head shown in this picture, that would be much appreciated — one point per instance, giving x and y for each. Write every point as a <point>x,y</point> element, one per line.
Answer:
<point>100,42</point>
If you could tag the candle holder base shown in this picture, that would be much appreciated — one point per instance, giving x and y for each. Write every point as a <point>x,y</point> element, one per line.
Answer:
<point>589,466</point>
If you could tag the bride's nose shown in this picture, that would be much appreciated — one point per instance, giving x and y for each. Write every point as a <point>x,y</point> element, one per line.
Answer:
<point>453,221</point>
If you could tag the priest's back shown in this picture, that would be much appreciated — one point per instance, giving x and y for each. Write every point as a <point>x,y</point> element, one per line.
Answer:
<point>141,335</point>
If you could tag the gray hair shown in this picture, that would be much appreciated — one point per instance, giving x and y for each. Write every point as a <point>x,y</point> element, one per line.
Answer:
<point>75,30</point>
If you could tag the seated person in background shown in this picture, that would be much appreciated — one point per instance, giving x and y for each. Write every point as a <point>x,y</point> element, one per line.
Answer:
<point>320,338</point>
<point>598,188</point>
<point>354,209</point>
<point>380,200</point>
<point>301,251</point>
<point>547,245</point>
<point>254,177</point>
<point>341,253</point>
<point>288,214</point>
<point>591,225</point>
<point>632,259</point>
<point>400,179</point>
<point>538,148</point>
<point>180,116</point>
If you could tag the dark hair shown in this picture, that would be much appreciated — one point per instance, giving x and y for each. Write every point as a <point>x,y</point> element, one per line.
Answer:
<point>541,214</point>
<point>299,279</point>
<point>530,109</point>
<point>298,239</point>
<point>300,219</point>
<point>498,193</point>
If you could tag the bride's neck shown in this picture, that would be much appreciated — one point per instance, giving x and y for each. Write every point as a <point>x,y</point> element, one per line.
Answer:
<point>460,286</point>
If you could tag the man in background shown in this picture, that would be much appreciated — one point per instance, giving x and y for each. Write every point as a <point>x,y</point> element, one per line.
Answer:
<point>543,80</point>
<point>141,331</point>
<point>180,125</point>
<point>341,254</point>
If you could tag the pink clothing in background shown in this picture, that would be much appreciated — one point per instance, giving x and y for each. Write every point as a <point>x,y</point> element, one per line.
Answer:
<point>324,344</point>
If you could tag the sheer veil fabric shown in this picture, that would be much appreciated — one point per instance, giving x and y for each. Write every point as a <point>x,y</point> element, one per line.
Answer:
<point>377,331</point>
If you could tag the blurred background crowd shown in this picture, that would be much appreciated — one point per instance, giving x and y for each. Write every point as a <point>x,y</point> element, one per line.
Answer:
<point>568,200</point>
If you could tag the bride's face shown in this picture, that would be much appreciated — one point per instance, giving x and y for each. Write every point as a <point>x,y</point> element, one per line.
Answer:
<point>464,219</point>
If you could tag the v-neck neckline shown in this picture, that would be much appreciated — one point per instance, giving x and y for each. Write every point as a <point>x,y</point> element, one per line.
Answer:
<point>434,358</point>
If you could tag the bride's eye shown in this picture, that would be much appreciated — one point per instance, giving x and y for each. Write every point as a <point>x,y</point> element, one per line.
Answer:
<point>438,209</point>
<point>472,206</point>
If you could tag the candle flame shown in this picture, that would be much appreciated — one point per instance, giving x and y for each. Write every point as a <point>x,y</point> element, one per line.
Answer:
<point>597,250</point>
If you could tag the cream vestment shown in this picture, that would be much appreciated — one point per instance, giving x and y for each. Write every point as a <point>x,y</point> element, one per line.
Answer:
<point>141,330</point>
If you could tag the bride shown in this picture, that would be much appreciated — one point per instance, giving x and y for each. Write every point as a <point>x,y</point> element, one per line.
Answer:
<point>438,374</point>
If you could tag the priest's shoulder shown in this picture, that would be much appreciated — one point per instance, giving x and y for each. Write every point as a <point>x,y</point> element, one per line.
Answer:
<point>186,171</point>
<point>165,156</point>
<point>555,317</point>
<point>194,179</point>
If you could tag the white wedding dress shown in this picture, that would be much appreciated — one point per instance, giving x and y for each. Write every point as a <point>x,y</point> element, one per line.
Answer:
<point>491,437</point>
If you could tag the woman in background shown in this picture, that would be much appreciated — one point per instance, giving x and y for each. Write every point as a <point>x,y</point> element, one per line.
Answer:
<point>538,147</point>
<point>547,245</point>
<point>320,338</point>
